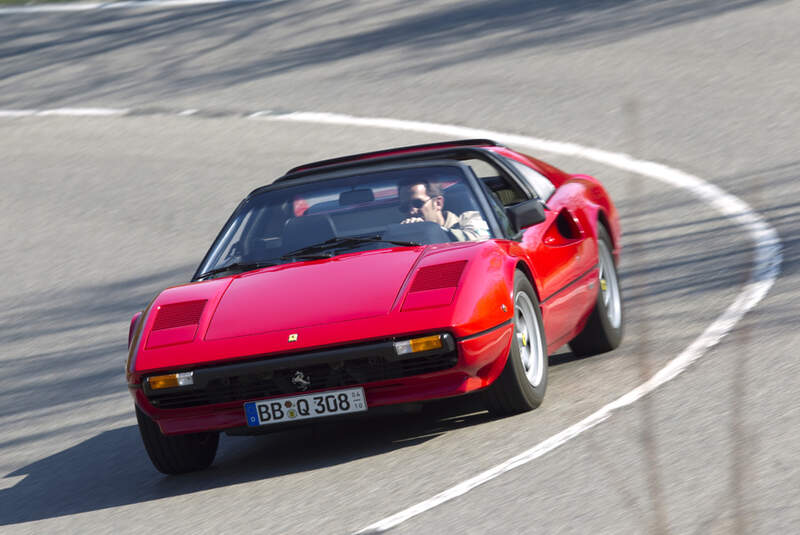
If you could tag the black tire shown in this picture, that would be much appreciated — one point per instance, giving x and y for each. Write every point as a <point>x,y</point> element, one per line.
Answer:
<point>176,454</point>
<point>514,392</point>
<point>603,330</point>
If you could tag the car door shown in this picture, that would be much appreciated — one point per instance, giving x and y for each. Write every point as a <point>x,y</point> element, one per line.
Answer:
<point>561,253</point>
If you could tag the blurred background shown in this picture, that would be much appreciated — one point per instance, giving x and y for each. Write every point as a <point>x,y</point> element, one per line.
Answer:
<point>100,212</point>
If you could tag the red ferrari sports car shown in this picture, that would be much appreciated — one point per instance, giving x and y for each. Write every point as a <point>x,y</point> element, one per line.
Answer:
<point>398,276</point>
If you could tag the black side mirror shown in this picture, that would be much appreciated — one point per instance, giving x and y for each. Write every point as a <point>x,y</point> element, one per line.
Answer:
<point>525,214</point>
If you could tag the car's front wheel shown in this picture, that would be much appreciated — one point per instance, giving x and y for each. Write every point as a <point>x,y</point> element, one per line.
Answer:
<point>176,454</point>
<point>522,384</point>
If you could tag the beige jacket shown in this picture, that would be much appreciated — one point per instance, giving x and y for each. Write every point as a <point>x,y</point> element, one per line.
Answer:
<point>469,226</point>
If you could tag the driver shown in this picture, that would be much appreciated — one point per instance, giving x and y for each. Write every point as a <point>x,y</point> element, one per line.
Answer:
<point>424,201</point>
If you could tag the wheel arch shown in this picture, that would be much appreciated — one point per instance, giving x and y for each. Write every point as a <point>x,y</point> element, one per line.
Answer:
<point>602,219</point>
<point>515,260</point>
<point>526,270</point>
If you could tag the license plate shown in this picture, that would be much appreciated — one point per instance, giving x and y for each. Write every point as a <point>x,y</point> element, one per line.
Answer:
<point>318,404</point>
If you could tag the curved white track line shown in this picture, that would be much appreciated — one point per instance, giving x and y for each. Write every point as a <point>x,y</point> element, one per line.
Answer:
<point>766,266</point>
<point>98,6</point>
<point>765,270</point>
<point>67,112</point>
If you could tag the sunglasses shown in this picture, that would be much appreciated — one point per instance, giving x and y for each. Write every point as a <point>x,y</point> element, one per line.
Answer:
<point>413,203</point>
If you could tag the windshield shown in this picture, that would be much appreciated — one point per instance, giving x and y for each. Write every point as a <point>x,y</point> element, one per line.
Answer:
<point>401,207</point>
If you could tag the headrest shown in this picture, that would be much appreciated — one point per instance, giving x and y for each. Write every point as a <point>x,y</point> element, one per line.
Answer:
<point>307,230</point>
<point>458,199</point>
<point>356,196</point>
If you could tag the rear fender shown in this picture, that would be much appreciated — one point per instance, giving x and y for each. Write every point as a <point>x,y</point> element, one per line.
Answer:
<point>600,209</point>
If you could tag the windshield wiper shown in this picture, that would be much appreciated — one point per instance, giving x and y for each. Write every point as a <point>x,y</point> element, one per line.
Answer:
<point>243,266</point>
<point>339,243</point>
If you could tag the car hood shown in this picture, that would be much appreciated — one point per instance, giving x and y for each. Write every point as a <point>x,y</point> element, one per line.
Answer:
<point>294,296</point>
<point>306,305</point>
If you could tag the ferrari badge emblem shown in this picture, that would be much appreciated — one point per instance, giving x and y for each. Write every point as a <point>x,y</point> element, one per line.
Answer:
<point>301,381</point>
<point>293,337</point>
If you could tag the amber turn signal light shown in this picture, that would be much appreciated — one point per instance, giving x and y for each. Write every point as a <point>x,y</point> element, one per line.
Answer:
<point>415,345</point>
<point>172,380</point>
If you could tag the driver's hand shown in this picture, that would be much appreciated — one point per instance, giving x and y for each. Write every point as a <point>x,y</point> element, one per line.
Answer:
<point>411,220</point>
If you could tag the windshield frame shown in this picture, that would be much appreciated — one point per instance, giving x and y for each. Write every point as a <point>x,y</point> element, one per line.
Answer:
<point>469,178</point>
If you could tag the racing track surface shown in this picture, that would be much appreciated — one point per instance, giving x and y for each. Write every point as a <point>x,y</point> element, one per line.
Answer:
<point>99,213</point>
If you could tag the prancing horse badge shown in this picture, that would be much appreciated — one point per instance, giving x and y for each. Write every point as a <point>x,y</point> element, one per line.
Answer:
<point>293,337</point>
<point>301,381</point>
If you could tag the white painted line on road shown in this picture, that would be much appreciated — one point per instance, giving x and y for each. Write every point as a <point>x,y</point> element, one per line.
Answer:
<point>765,270</point>
<point>17,113</point>
<point>97,6</point>
<point>66,112</point>
<point>263,114</point>
<point>84,112</point>
<point>23,10</point>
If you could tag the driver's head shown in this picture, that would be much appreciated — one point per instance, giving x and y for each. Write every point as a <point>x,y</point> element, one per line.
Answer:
<point>422,199</point>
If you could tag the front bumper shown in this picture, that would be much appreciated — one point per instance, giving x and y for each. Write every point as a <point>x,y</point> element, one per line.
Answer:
<point>215,401</point>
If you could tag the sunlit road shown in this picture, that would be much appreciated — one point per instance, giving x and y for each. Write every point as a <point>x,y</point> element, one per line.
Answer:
<point>99,213</point>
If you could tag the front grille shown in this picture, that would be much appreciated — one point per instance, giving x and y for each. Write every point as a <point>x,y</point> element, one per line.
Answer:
<point>261,384</point>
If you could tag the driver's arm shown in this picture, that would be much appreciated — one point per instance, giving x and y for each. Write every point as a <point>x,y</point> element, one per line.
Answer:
<point>471,227</point>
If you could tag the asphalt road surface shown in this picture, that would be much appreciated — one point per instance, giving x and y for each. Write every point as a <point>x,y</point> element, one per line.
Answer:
<point>97,214</point>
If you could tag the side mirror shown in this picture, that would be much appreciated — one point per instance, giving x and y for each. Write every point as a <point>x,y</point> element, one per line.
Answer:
<point>526,214</point>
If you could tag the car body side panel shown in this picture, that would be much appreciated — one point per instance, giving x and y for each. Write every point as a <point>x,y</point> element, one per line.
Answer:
<point>568,310</point>
<point>587,202</point>
<point>562,252</point>
<point>561,322</point>
<point>562,255</point>
<point>599,203</point>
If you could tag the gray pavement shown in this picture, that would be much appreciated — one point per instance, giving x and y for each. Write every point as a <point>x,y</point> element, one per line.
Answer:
<point>98,214</point>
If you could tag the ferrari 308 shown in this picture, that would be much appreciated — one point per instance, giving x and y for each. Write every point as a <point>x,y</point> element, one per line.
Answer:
<point>391,277</point>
